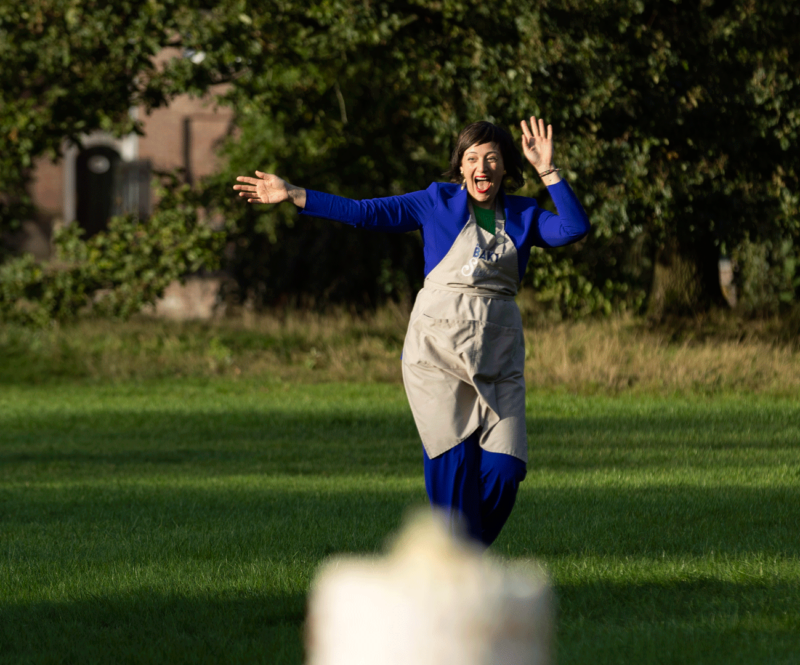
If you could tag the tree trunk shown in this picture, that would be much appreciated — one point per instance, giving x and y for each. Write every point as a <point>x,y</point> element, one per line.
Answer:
<point>685,280</point>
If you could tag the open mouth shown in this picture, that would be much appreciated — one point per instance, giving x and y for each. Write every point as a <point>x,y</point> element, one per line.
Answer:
<point>482,184</point>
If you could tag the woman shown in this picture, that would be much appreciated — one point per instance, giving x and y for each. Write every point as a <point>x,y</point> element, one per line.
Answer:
<point>463,357</point>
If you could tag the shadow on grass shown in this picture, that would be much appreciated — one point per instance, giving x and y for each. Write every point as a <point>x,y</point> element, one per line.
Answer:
<point>701,621</point>
<point>678,601</point>
<point>659,519</point>
<point>144,627</point>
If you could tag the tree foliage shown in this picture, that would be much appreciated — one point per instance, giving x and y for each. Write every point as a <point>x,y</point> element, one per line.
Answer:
<point>676,123</point>
<point>69,67</point>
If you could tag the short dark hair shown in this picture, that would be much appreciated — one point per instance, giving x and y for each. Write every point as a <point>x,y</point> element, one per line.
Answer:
<point>482,132</point>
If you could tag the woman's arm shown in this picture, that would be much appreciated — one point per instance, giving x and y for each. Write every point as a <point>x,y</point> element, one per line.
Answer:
<point>571,223</point>
<point>392,213</point>
<point>397,214</point>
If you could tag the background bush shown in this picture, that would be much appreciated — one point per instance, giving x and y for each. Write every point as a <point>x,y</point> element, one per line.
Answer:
<point>116,272</point>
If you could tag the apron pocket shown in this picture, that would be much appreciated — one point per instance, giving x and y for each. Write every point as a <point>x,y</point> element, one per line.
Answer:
<point>483,351</point>
<point>438,343</point>
<point>497,351</point>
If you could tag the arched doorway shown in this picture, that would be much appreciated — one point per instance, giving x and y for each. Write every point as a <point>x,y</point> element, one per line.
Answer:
<point>96,171</point>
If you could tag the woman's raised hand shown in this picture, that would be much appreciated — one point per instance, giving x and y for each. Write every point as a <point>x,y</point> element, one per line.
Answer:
<point>537,144</point>
<point>269,188</point>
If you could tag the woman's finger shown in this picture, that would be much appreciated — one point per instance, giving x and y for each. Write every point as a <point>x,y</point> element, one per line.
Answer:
<point>244,188</point>
<point>252,181</point>
<point>549,132</point>
<point>526,133</point>
<point>535,127</point>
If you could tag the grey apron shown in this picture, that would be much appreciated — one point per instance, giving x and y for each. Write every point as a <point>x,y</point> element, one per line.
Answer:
<point>464,352</point>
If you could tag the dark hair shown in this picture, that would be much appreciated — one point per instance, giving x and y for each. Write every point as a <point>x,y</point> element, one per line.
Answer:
<point>482,132</point>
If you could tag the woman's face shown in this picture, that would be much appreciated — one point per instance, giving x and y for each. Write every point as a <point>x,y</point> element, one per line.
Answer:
<point>482,168</point>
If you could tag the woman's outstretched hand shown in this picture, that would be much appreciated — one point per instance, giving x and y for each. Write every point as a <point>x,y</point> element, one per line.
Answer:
<point>269,188</point>
<point>537,146</point>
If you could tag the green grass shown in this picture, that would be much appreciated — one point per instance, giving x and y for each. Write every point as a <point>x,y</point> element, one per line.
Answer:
<point>183,520</point>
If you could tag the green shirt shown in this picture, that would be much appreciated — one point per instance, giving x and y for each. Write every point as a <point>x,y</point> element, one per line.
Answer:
<point>485,218</point>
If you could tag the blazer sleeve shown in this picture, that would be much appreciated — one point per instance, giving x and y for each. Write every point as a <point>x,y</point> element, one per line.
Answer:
<point>569,225</point>
<point>397,214</point>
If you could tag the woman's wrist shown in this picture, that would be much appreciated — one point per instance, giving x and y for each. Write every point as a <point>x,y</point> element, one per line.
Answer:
<point>549,175</point>
<point>297,195</point>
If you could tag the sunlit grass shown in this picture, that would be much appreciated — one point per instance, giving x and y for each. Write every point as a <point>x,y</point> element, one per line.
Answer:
<point>181,520</point>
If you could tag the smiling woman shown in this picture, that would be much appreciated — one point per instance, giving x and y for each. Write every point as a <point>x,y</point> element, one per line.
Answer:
<point>484,160</point>
<point>464,352</point>
<point>484,173</point>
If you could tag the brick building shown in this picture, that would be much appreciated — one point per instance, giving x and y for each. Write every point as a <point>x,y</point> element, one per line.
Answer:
<point>107,175</point>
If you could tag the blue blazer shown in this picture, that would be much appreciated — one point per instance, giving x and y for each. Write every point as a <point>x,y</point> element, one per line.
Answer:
<point>440,212</point>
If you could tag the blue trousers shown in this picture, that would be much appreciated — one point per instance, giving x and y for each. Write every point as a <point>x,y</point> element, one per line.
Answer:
<point>475,489</point>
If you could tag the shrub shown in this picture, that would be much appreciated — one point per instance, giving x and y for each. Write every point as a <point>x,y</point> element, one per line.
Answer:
<point>115,272</point>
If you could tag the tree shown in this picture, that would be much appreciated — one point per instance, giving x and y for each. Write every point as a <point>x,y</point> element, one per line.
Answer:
<point>69,68</point>
<point>690,111</point>
<point>675,123</point>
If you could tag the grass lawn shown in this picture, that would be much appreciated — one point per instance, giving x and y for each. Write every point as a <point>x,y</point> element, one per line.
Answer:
<point>182,520</point>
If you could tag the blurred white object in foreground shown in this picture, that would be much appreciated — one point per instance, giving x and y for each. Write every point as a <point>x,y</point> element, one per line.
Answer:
<point>434,600</point>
